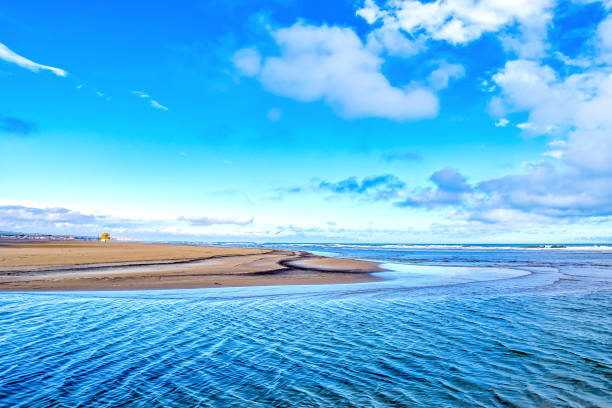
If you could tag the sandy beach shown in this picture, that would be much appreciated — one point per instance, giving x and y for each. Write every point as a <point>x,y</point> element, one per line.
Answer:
<point>90,265</point>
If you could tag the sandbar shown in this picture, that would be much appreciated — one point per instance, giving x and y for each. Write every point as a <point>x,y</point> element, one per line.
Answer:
<point>91,265</point>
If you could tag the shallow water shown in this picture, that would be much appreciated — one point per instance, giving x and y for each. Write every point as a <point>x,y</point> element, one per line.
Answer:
<point>450,327</point>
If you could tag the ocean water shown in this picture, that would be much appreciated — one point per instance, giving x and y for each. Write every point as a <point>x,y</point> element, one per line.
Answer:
<point>476,326</point>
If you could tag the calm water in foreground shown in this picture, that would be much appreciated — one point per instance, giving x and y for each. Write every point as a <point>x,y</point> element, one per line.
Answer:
<point>452,326</point>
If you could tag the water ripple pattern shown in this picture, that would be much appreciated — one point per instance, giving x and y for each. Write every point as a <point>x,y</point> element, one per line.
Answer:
<point>541,339</point>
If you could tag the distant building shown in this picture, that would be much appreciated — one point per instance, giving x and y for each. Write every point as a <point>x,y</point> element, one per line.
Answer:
<point>105,237</point>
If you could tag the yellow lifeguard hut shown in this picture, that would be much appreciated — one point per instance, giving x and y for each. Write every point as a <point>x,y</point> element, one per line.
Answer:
<point>105,237</point>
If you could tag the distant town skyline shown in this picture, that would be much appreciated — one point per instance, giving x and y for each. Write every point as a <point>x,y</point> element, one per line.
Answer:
<point>424,122</point>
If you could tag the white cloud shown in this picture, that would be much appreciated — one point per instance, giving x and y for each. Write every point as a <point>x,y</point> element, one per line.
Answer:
<point>573,62</point>
<point>152,101</point>
<point>557,143</point>
<point>332,64</point>
<point>7,55</point>
<point>556,154</point>
<point>462,21</point>
<point>573,105</point>
<point>370,12</point>
<point>439,78</point>
<point>604,39</point>
<point>524,126</point>
<point>158,105</point>
<point>552,102</point>
<point>557,149</point>
<point>590,149</point>
<point>390,39</point>
<point>543,189</point>
<point>451,189</point>
<point>577,105</point>
<point>247,61</point>
<point>502,122</point>
<point>530,40</point>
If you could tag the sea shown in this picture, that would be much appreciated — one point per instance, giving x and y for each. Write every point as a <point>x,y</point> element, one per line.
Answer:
<point>447,326</point>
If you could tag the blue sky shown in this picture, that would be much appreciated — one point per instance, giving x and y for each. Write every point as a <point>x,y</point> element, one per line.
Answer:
<point>407,121</point>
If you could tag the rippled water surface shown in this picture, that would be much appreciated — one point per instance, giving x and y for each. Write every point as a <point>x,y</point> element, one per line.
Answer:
<point>450,327</point>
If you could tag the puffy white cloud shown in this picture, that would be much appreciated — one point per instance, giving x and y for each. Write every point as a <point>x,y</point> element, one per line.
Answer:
<point>544,189</point>
<point>502,122</point>
<point>525,84</point>
<point>439,78</point>
<point>370,12</point>
<point>573,62</point>
<point>247,61</point>
<point>388,37</point>
<point>539,194</point>
<point>333,64</point>
<point>530,39</point>
<point>590,150</point>
<point>577,105</point>
<point>604,39</point>
<point>391,40</point>
<point>462,21</point>
<point>571,104</point>
<point>555,154</point>
<point>540,189</point>
<point>10,56</point>
<point>452,189</point>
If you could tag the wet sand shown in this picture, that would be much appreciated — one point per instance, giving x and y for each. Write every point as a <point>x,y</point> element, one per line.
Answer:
<point>89,265</point>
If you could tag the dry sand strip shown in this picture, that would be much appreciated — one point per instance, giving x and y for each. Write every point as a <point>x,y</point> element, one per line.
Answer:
<point>89,265</point>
